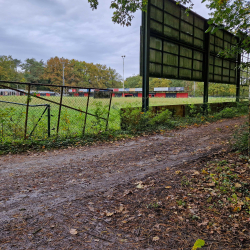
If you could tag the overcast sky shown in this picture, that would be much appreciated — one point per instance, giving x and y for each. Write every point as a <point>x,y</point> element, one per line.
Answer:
<point>42,29</point>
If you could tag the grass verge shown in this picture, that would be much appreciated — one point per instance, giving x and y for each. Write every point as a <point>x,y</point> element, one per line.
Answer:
<point>139,123</point>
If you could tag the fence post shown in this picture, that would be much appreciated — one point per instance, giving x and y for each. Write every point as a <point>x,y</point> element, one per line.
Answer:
<point>111,92</point>
<point>83,131</point>
<point>59,114</point>
<point>48,110</point>
<point>238,79</point>
<point>27,113</point>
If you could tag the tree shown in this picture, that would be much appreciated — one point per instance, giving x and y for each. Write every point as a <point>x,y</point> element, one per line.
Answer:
<point>123,9</point>
<point>158,82</point>
<point>53,71</point>
<point>8,69</point>
<point>33,70</point>
<point>136,82</point>
<point>80,73</point>
<point>115,79</point>
<point>133,82</point>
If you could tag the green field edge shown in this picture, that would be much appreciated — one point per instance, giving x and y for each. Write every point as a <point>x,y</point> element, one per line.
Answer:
<point>60,142</point>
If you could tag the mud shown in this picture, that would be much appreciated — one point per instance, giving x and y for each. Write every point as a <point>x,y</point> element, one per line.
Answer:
<point>41,185</point>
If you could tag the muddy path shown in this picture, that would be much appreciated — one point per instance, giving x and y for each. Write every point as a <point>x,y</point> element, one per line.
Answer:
<point>37,187</point>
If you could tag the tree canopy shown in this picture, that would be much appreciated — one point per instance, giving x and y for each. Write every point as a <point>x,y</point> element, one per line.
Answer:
<point>123,9</point>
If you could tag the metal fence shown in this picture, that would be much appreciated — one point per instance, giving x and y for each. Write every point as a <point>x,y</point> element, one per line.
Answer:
<point>38,111</point>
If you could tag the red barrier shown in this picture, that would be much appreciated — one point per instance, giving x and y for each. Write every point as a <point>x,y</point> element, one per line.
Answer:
<point>76,94</point>
<point>139,94</point>
<point>85,94</point>
<point>182,95</point>
<point>47,94</point>
<point>160,94</point>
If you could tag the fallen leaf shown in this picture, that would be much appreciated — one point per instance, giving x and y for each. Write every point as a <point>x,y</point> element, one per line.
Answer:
<point>108,214</point>
<point>120,209</point>
<point>91,208</point>
<point>204,171</point>
<point>178,172</point>
<point>73,231</point>
<point>238,185</point>
<point>156,238</point>
<point>123,240</point>
<point>168,187</point>
<point>196,173</point>
<point>140,185</point>
<point>236,209</point>
<point>211,184</point>
<point>198,244</point>
<point>203,223</point>
<point>240,203</point>
<point>127,192</point>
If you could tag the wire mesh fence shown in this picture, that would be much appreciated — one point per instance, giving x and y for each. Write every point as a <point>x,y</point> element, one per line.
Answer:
<point>40,111</point>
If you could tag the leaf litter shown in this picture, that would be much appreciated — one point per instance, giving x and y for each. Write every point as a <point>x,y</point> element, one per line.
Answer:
<point>208,200</point>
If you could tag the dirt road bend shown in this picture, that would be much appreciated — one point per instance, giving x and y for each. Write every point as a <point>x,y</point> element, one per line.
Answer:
<point>36,188</point>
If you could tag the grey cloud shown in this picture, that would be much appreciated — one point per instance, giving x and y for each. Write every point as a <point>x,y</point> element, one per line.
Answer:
<point>68,28</point>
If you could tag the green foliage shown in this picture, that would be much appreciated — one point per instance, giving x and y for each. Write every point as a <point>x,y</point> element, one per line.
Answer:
<point>181,203</point>
<point>80,73</point>
<point>136,82</point>
<point>12,121</point>
<point>241,138</point>
<point>10,125</point>
<point>123,10</point>
<point>153,205</point>
<point>198,244</point>
<point>136,121</point>
<point>228,112</point>
<point>33,70</point>
<point>8,69</point>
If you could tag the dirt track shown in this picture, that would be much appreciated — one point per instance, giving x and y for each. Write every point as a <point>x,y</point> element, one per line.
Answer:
<point>37,189</point>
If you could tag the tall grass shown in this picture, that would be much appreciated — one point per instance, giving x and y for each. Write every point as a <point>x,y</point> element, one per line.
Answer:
<point>12,117</point>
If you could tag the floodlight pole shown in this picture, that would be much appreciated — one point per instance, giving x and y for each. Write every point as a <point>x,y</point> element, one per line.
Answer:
<point>123,71</point>
<point>145,58</point>
<point>63,63</point>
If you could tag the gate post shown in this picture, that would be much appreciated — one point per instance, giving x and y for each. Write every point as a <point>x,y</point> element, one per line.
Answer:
<point>145,58</point>
<point>27,113</point>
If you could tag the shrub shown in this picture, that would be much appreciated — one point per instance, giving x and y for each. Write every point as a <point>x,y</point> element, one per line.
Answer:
<point>134,120</point>
<point>241,137</point>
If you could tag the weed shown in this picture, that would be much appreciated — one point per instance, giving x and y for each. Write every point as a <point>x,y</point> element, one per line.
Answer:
<point>185,181</point>
<point>181,203</point>
<point>152,205</point>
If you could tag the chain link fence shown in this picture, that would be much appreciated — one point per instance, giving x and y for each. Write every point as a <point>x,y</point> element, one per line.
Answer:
<point>39,111</point>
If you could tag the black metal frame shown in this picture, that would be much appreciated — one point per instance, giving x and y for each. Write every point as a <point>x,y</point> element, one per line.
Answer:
<point>47,107</point>
<point>147,33</point>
